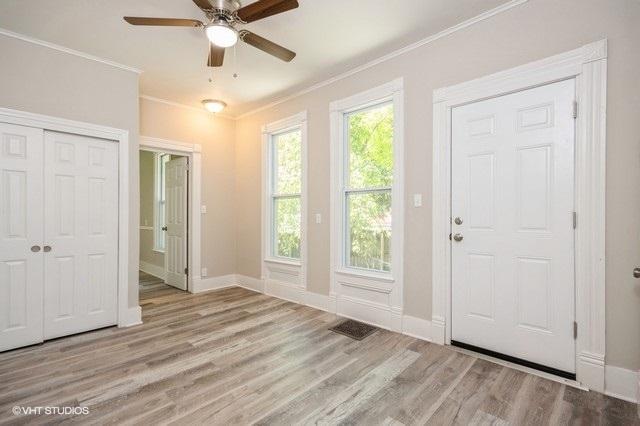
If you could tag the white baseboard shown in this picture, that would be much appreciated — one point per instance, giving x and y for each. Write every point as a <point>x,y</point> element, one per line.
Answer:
<point>369,312</point>
<point>151,269</point>
<point>130,317</point>
<point>250,283</point>
<point>320,301</point>
<point>622,383</point>
<point>291,292</point>
<point>416,327</point>
<point>213,283</point>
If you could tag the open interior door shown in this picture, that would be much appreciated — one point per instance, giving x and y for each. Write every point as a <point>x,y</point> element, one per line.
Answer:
<point>176,223</point>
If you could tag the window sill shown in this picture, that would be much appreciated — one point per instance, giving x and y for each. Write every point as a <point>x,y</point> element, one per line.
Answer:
<point>380,277</point>
<point>287,262</point>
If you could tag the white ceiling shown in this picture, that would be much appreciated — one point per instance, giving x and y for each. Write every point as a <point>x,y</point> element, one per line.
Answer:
<point>329,36</point>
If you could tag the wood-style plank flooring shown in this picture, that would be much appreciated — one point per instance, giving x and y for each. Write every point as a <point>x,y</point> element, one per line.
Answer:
<point>237,357</point>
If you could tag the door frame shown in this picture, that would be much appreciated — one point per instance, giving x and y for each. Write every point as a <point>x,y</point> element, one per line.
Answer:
<point>127,315</point>
<point>588,66</point>
<point>194,196</point>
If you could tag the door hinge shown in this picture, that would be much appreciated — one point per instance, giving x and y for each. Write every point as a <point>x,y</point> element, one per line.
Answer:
<point>575,330</point>
<point>575,220</point>
<point>575,109</point>
<point>186,271</point>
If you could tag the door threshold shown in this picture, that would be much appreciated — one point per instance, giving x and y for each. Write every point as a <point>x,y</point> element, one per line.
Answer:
<point>501,359</point>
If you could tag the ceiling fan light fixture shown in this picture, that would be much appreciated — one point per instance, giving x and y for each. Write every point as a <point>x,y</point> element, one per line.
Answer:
<point>214,105</point>
<point>222,34</point>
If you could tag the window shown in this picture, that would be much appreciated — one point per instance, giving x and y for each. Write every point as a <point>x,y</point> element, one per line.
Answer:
<point>368,183</point>
<point>161,161</point>
<point>285,194</point>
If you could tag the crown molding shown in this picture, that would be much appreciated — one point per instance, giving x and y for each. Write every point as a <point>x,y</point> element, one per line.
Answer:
<point>59,48</point>
<point>469,22</point>
<point>184,106</point>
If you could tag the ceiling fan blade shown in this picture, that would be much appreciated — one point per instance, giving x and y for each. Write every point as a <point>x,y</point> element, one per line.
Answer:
<point>267,46</point>
<point>265,8</point>
<point>216,56</point>
<point>203,4</point>
<point>163,22</point>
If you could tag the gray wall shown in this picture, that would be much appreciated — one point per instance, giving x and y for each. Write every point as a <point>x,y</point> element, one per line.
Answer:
<point>535,30</point>
<point>45,81</point>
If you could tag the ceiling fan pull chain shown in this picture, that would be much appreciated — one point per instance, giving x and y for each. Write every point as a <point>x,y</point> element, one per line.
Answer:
<point>235,63</point>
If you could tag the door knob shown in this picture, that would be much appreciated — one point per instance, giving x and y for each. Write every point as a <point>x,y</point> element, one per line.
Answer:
<point>35,249</point>
<point>636,273</point>
<point>458,237</point>
<point>46,249</point>
<point>164,228</point>
<point>458,221</point>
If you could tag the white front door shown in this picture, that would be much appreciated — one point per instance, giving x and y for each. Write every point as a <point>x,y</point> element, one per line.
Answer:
<point>21,232</point>
<point>512,205</point>
<point>81,233</point>
<point>176,223</point>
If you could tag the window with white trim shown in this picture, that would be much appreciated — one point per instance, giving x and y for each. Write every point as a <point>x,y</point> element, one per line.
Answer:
<point>368,166</point>
<point>161,161</point>
<point>285,190</point>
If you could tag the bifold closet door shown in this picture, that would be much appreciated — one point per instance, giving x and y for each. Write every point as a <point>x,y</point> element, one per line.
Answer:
<point>80,233</point>
<point>21,233</point>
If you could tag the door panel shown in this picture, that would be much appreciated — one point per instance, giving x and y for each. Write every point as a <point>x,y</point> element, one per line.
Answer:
<point>21,228</point>
<point>81,227</point>
<point>512,187</point>
<point>176,222</point>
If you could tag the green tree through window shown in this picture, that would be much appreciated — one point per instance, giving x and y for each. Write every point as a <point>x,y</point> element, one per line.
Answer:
<point>286,187</point>
<point>368,183</point>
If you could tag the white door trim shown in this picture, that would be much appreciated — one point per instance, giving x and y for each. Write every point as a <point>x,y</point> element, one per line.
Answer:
<point>194,152</point>
<point>127,315</point>
<point>292,273</point>
<point>588,65</point>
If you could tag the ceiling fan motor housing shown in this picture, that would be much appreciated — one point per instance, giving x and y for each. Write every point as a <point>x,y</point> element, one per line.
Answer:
<point>226,5</point>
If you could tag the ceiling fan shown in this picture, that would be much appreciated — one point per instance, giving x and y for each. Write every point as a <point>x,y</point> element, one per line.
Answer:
<point>223,16</point>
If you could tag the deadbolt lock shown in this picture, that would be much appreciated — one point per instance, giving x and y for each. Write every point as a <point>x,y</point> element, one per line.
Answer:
<point>458,221</point>
<point>458,237</point>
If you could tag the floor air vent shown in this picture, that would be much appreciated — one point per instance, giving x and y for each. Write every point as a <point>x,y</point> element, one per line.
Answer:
<point>354,329</point>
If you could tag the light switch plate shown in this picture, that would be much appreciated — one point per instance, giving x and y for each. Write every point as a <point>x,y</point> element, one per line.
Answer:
<point>203,209</point>
<point>318,218</point>
<point>203,273</point>
<point>417,200</point>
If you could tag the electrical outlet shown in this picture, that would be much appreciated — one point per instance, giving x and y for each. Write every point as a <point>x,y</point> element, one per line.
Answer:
<point>204,272</point>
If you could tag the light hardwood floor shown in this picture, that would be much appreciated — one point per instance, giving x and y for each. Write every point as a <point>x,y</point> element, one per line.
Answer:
<point>237,357</point>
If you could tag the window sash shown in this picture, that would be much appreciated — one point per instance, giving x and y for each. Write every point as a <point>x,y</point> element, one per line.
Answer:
<point>347,191</point>
<point>275,196</point>
<point>274,229</point>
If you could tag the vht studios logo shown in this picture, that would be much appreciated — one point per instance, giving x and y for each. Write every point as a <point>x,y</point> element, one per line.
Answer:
<point>49,411</point>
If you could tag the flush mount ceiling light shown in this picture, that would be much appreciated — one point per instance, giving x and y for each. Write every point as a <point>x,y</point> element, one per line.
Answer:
<point>213,105</point>
<point>221,33</point>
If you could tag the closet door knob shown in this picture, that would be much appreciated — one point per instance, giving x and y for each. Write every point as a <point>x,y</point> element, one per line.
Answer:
<point>47,249</point>
<point>35,249</point>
